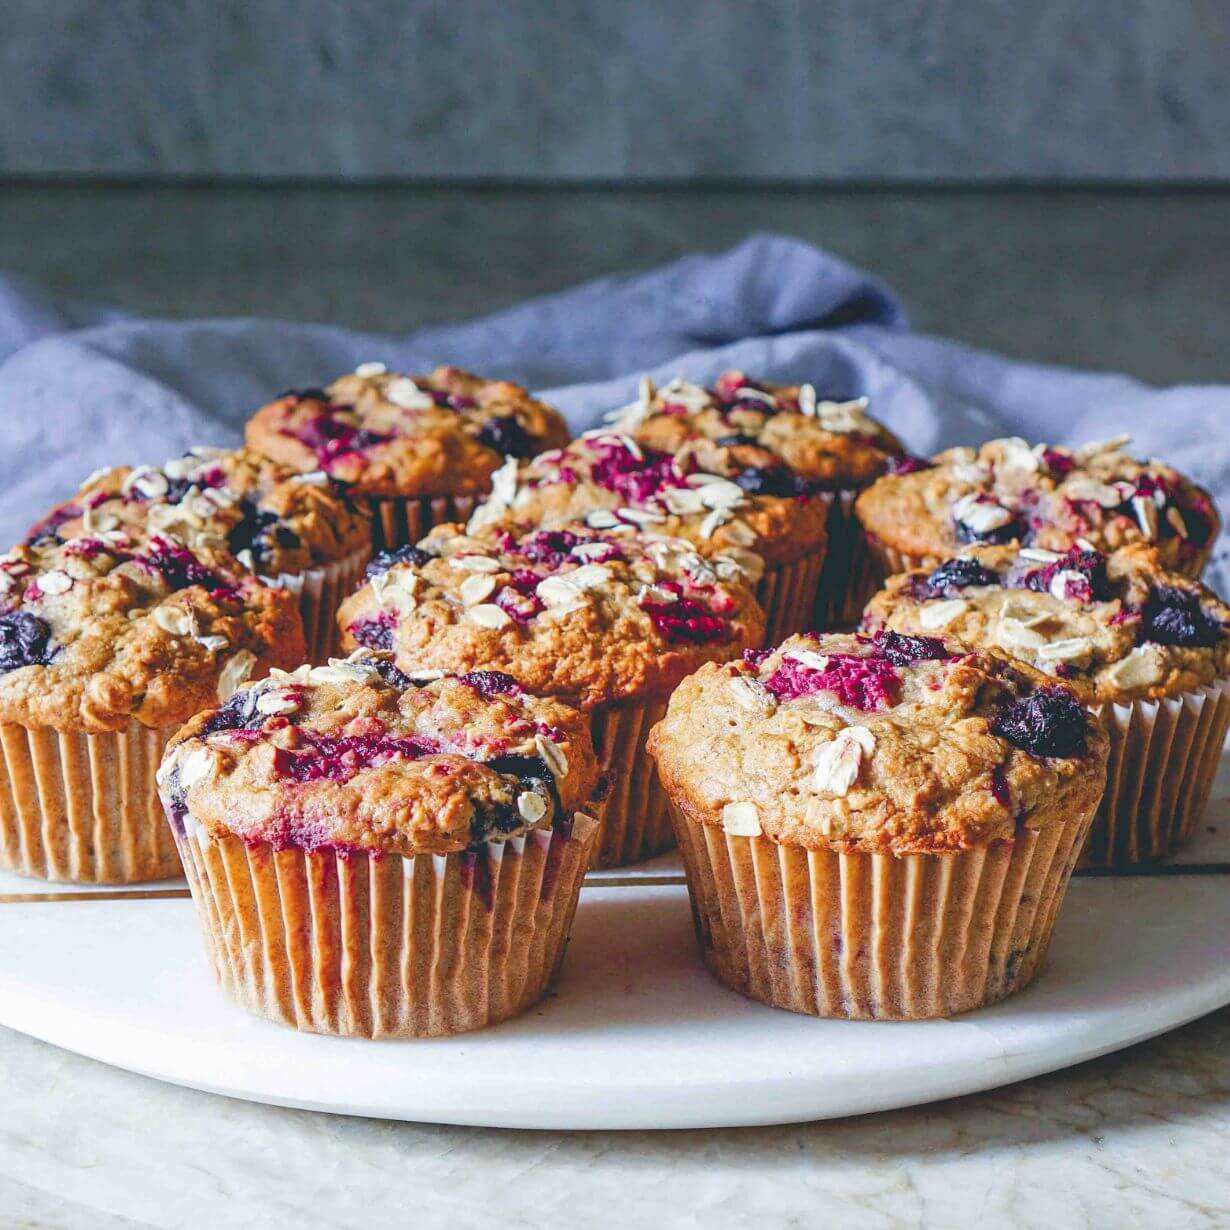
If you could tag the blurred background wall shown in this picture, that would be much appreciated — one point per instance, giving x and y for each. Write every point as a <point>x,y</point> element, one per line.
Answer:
<point>825,91</point>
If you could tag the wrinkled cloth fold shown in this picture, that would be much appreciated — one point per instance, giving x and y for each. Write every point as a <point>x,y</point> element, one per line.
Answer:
<point>83,386</point>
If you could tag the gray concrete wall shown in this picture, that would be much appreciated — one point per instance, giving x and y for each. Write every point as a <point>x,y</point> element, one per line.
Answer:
<point>909,90</point>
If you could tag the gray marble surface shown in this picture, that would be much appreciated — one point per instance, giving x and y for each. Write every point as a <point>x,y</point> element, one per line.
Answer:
<point>1135,1139</point>
<point>590,89</point>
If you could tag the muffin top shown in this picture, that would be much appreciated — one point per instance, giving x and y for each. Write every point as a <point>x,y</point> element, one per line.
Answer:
<point>1116,628</point>
<point>220,503</point>
<point>588,616</point>
<point>389,434</point>
<point>750,427</point>
<point>607,480</point>
<point>102,629</point>
<point>353,756</point>
<point>1042,496</point>
<point>884,743</point>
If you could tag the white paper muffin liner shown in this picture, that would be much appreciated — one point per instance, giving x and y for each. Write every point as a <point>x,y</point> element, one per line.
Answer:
<point>788,594</point>
<point>849,577</point>
<point>385,946</point>
<point>320,591</point>
<point>1164,756</point>
<point>84,808</point>
<point>874,936</point>
<point>398,521</point>
<point>635,821</point>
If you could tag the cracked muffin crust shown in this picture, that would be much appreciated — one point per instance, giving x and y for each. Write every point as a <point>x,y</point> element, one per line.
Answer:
<point>103,629</point>
<point>391,435</point>
<point>354,756</point>
<point>583,614</point>
<point>1116,628</point>
<point>225,505</point>
<point>1041,496</point>
<point>607,480</point>
<point>764,432</point>
<point>878,744</point>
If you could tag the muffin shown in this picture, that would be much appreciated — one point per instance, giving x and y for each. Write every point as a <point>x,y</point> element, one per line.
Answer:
<point>878,827</point>
<point>378,858</point>
<point>420,450</point>
<point>607,621</point>
<point>1148,647</point>
<point>297,531</point>
<point>772,521</point>
<point>753,432</point>
<point>106,646</point>
<point>1041,496</point>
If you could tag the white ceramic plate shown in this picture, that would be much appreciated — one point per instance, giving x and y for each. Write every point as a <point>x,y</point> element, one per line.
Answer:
<point>638,1034</point>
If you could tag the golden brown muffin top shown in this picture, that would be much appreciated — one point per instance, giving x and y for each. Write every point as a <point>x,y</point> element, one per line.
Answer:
<point>886,744</point>
<point>591,617</point>
<point>607,480</point>
<point>389,434</point>
<point>101,630</point>
<point>1043,496</point>
<point>1116,628</point>
<point>353,756</point>
<point>747,426</point>
<point>221,503</point>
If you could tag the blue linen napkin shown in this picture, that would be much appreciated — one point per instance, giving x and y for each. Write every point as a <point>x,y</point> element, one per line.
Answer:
<point>82,387</point>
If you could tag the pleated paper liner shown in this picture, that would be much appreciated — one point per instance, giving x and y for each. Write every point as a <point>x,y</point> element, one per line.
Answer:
<point>388,947</point>
<point>788,594</point>
<point>636,824</point>
<point>320,592</point>
<point>849,577</point>
<point>84,808</point>
<point>1163,759</point>
<point>396,522</point>
<point>873,936</point>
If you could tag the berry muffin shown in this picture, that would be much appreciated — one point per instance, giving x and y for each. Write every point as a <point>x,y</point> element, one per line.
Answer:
<point>420,450</point>
<point>607,621</point>
<point>106,646</point>
<point>878,827</point>
<point>608,481</point>
<point>297,531</point>
<point>778,434</point>
<point>378,858</point>
<point>1040,496</point>
<point>1148,647</point>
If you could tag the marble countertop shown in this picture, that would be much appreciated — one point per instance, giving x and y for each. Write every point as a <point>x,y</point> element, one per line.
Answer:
<point>1137,1138</point>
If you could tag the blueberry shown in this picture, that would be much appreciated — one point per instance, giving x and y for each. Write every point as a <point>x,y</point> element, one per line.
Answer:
<point>239,712</point>
<point>1049,722</point>
<point>901,650</point>
<point>1002,533</point>
<point>1173,616</point>
<point>388,671</point>
<point>409,554</point>
<point>491,683</point>
<point>23,641</point>
<point>733,441</point>
<point>773,480</point>
<point>535,776</point>
<point>504,434</point>
<point>958,574</point>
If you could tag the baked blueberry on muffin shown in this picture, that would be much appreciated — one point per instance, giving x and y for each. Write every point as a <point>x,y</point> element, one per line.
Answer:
<point>381,858</point>
<point>420,449</point>
<point>878,826</point>
<point>771,520</point>
<point>1040,496</point>
<point>297,531</point>
<point>106,646</point>
<point>606,620</point>
<point>1148,646</point>
<point>757,432</point>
